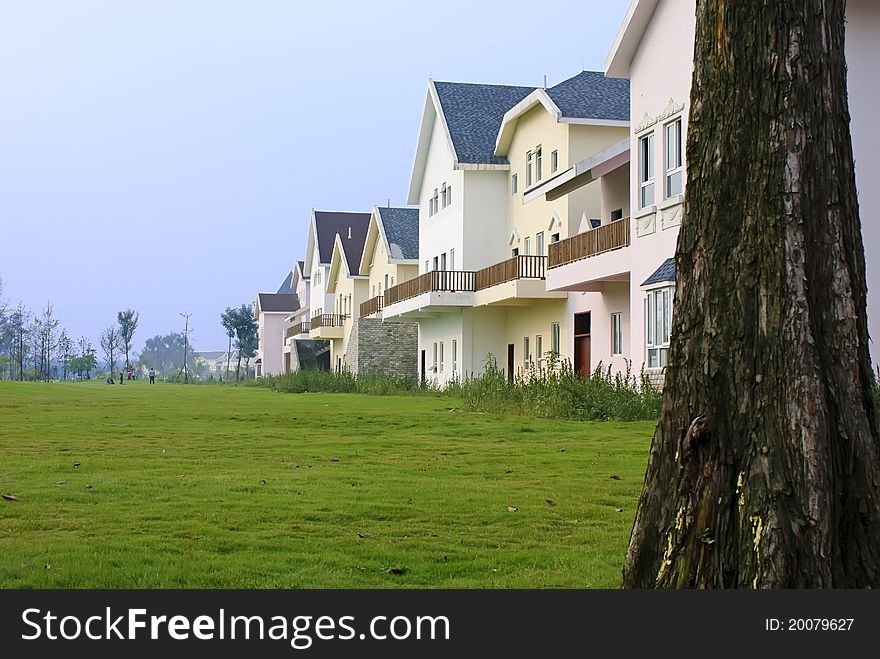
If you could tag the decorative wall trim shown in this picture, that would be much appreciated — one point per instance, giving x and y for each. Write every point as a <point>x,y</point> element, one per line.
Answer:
<point>671,108</point>
<point>646,223</point>
<point>646,122</point>
<point>671,216</point>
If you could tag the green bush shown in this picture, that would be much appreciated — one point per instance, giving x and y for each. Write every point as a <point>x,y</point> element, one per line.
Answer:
<point>313,380</point>
<point>556,391</point>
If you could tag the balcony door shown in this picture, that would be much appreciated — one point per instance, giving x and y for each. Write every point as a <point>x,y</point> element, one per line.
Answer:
<point>582,344</point>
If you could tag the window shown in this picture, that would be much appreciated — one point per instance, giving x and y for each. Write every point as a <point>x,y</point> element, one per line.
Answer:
<point>443,261</point>
<point>433,205</point>
<point>673,158</point>
<point>435,357</point>
<point>514,251</point>
<point>443,196</point>
<point>374,290</point>
<point>513,184</point>
<point>539,244</point>
<point>386,282</point>
<point>441,356</point>
<point>427,269</point>
<point>617,214</point>
<point>554,238</point>
<point>538,163</point>
<point>539,350</point>
<point>529,157</point>
<point>392,281</point>
<point>526,353</point>
<point>646,170</point>
<point>527,246</point>
<point>452,259</point>
<point>435,263</point>
<point>555,339</point>
<point>617,334</point>
<point>454,355</point>
<point>658,321</point>
<point>449,196</point>
<point>554,161</point>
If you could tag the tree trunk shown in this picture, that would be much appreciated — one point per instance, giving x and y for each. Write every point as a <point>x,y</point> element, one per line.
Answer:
<point>763,471</point>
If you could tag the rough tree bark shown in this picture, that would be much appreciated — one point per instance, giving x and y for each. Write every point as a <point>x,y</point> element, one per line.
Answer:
<point>763,471</point>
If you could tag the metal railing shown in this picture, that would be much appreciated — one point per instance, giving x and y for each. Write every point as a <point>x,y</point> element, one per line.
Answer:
<point>590,243</point>
<point>450,281</point>
<point>518,267</point>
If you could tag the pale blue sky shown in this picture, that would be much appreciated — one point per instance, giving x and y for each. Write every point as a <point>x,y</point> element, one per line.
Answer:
<point>164,155</point>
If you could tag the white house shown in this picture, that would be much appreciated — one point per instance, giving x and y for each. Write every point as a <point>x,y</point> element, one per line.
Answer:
<point>270,312</point>
<point>482,235</point>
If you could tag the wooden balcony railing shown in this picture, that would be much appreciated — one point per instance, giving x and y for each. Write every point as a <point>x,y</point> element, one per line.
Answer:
<point>328,320</point>
<point>371,306</point>
<point>437,280</point>
<point>519,267</point>
<point>590,243</point>
<point>299,328</point>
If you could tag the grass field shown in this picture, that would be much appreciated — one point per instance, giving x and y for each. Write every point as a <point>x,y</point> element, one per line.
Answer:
<point>207,486</point>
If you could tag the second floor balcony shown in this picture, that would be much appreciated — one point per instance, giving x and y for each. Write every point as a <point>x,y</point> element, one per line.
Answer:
<point>584,261</point>
<point>372,306</point>
<point>514,281</point>
<point>298,329</point>
<point>429,292</point>
<point>327,326</point>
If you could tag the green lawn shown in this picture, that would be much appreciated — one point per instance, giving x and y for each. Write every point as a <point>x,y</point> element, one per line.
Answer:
<point>218,487</point>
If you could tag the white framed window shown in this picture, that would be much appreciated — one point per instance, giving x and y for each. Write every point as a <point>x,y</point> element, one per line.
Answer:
<point>436,263</point>
<point>673,157</point>
<point>514,251</point>
<point>526,353</point>
<point>617,333</point>
<point>555,339</point>
<point>452,259</point>
<point>427,268</point>
<point>454,355</point>
<point>435,357</point>
<point>554,161</point>
<point>646,170</point>
<point>539,350</point>
<point>434,202</point>
<point>658,325</point>
<point>392,281</point>
<point>442,343</point>
<point>514,184</point>
<point>443,261</point>
<point>539,244</point>
<point>386,282</point>
<point>527,246</point>
<point>449,195</point>
<point>538,172</point>
<point>529,158</point>
<point>374,290</point>
<point>554,238</point>
<point>443,196</point>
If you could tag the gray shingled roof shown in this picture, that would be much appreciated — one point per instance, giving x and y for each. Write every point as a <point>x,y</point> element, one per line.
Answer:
<point>590,95</point>
<point>286,287</point>
<point>402,230</point>
<point>473,114</point>
<point>287,302</point>
<point>666,272</point>
<point>302,268</point>
<point>328,224</point>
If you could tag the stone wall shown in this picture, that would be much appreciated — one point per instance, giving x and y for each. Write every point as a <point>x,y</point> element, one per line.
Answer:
<point>376,346</point>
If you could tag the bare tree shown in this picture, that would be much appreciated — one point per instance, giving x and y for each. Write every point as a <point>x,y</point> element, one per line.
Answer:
<point>111,342</point>
<point>128,322</point>
<point>48,335</point>
<point>764,467</point>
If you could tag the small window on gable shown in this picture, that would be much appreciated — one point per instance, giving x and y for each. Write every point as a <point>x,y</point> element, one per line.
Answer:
<point>513,184</point>
<point>554,161</point>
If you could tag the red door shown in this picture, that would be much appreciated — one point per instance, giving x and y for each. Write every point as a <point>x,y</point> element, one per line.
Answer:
<point>582,344</point>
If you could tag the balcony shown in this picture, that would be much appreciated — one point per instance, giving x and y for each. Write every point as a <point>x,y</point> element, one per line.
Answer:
<point>371,306</point>
<point>327,326</point>
<point>587,261</point>
<point>431,292</point>
<point>602,239</point>
<point>515,281</point>
<point>299,328</point>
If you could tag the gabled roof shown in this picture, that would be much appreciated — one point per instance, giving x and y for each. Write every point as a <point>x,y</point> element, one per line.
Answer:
<point>398,229</point>
<point>665,273</point>
<point>351,226</point>
<point>286,286</point>
<point>277,302</point>
<point>302,266</point>
<point>587,98</point>
<point>628,38</point>
<point>344,262</point>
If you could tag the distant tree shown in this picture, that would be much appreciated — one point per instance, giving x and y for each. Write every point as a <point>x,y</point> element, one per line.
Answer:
<point>162,353</point>
<point>48,337</point>
<point>245,336</point>
<point>128,322</point>
<point>111,344</point>
<point>66,351</point>
<point>227,319</point>
<point>19,328</point>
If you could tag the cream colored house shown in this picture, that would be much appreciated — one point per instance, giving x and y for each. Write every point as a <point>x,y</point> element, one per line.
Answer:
<point>483,235</point>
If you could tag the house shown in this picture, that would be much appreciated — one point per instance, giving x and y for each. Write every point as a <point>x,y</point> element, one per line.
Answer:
<point>271,311</point>
<point>339,234</point>
<point>483,235</point>
<point>621,275</point>
<point>298,347</point>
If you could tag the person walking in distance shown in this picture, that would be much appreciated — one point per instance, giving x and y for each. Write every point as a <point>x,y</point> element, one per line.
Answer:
<point>152,376</point>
